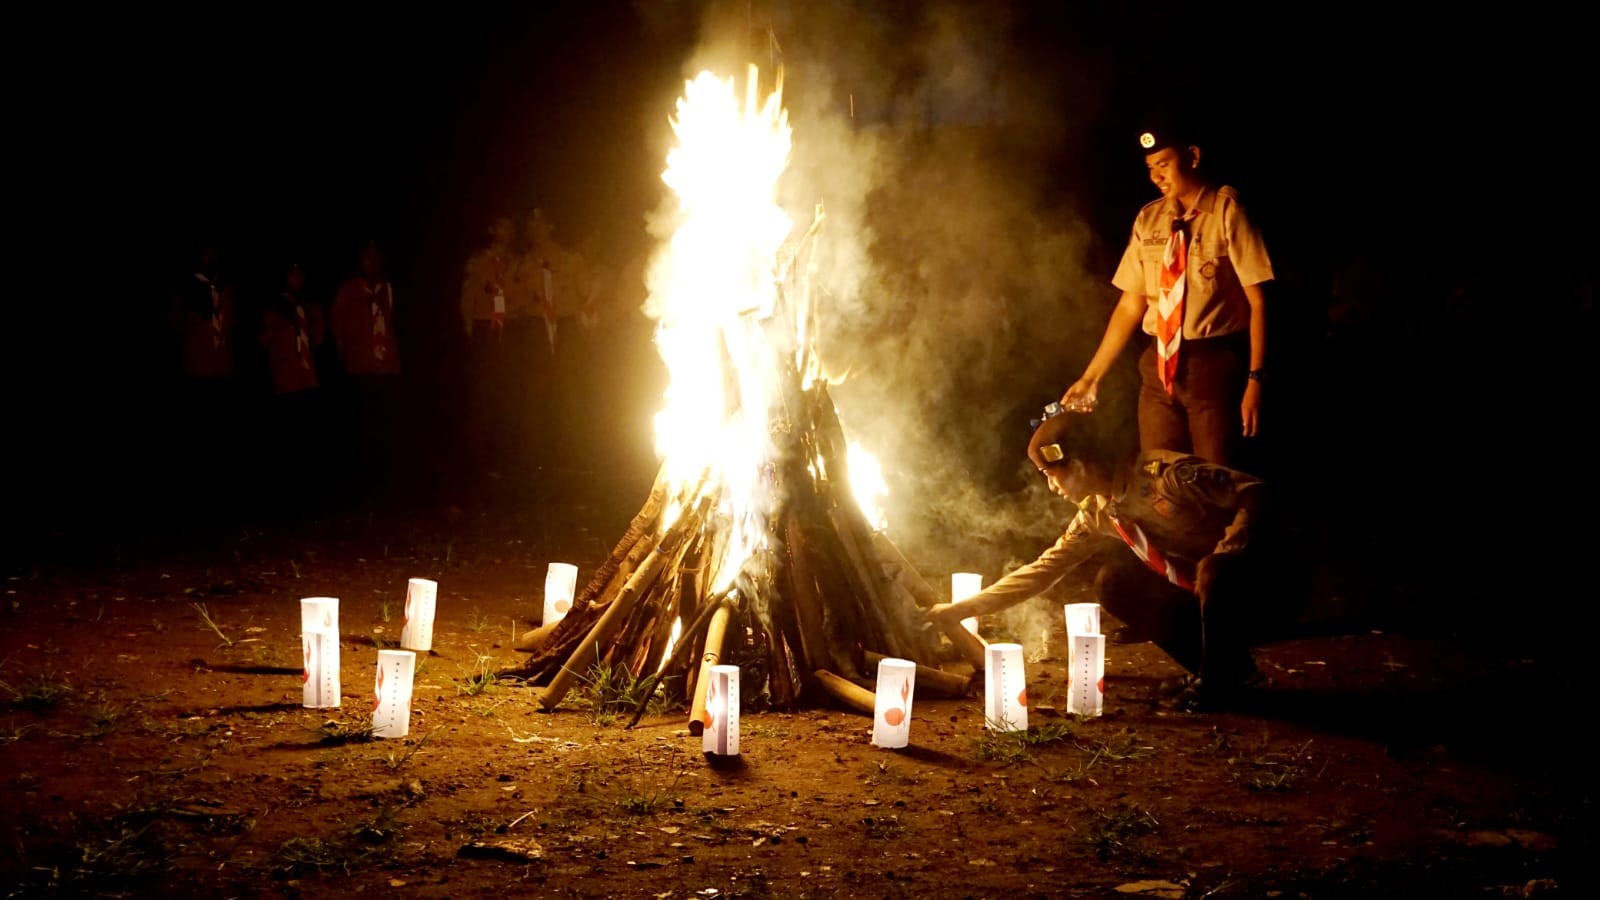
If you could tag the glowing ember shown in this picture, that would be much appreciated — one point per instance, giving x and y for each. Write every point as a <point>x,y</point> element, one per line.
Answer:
<point>672,641</point>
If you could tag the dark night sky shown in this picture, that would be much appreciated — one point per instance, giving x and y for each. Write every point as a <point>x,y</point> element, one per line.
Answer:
<point>296,131</point>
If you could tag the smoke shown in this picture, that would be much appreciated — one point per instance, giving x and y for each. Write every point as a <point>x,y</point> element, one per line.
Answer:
<point>963,289</point>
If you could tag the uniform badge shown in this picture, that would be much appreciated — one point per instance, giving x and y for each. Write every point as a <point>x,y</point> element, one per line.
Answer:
<point>1154,468</point>
<point>1208,271</point>
<point>1147,140</point>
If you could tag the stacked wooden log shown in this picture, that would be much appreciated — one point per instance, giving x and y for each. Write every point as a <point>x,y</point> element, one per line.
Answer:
<point>806,617</point>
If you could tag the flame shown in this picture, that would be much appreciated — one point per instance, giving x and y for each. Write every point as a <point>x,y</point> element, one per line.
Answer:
<point>672,641</point>
<point>712,292</point>
<point>866,482</point>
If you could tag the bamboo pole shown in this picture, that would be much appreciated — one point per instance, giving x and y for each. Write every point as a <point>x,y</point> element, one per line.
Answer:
<point>716,631</point>
<point>852,695</point>
<point>945,684</point>
<point>617,611</point>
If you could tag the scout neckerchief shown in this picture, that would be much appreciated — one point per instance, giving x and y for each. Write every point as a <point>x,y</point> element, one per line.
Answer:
<point>497,309</point>
<point>550,305</point>
<point>380,314</point>
<point>1169,306</point>
<point>302,340</point>
<point>216,310</point>
<point>1135,538</point>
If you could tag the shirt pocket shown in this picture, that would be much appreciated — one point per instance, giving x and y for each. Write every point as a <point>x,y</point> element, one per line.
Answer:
<point>1209,260</point>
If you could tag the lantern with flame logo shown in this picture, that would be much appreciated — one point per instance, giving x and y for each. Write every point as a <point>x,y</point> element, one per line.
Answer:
<point>1086,674</point>
<point>319,649</point>
<point>391,693</point>
<point>962,586</point>
<point>721,737</point>
<point>1005,681</point>
<point>421,600</point>
<point>1086,660</point>
<point>560,586</point>
<point>891,722</point>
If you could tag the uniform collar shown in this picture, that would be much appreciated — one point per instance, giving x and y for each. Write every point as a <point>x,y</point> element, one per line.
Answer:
<point>1204,203</point>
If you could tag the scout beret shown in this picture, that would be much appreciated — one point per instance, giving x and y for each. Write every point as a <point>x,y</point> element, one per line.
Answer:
<point>1045,447</point>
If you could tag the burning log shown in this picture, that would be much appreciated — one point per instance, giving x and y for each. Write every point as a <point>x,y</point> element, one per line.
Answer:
<point>616,610</point>
<point>969,645</point>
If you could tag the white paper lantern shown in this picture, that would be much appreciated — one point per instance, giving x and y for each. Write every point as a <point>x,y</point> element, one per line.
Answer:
<point>319,648</point>
<point>891,720</point>
<point>1005,682</point>
<point>560,586</point>
<point>1082,618</point>
<point>962,586</point>
<point>721,736</point>
<point>421,600</point>
<point>391,693</point>
<point>320,677</point>
<point>1086,674</point>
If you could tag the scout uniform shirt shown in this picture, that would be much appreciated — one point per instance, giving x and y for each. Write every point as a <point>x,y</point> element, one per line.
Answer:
<point>363,327</point>
<point>290,332</point>
<point>1172,509</point>
<point>209,314</point>
<point>487,297</point>
<point>1225,254</point>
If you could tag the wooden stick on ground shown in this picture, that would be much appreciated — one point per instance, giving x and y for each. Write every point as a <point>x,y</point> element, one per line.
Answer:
<point>945,684</point>
<point>852,695</point>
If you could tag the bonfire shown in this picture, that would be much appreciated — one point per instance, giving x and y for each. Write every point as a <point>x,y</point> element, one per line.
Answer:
<point>760,543</point>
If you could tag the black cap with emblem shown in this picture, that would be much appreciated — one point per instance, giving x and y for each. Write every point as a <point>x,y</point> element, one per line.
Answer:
<point>1162,129</point>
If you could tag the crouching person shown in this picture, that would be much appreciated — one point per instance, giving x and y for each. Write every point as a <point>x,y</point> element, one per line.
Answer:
<point>1185,555</point>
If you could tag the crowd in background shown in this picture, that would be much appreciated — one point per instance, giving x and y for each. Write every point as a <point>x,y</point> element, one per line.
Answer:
<point>295,397</point>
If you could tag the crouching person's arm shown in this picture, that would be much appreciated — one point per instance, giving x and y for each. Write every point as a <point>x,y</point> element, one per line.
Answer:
<point>1024,583</point>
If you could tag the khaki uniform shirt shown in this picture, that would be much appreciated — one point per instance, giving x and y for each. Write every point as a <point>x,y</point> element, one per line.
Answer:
<point>487,272</point>
<point>1225,254</point>
<point>565,285</point>
<point>1187,508</point>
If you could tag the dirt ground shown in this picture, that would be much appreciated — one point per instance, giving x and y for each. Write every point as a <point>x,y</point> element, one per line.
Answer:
<point>145,750</point>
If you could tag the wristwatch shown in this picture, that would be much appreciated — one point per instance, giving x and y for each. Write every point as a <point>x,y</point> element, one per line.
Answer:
<point>1255,374</point>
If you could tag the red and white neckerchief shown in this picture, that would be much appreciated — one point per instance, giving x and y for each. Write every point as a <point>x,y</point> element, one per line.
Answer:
<point>1134,537</point>
<point>302,342</point>
<point>380,312</point>
<point>216,311</point>
<point>497,302</point>
<point>550,305</point>
<point>1169,306</point>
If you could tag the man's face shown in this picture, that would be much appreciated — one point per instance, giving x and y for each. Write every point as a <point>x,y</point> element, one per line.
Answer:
<point>503,230</point>
<point>1063,484</point>
<point>371,262</point>
<point>1171,170</point>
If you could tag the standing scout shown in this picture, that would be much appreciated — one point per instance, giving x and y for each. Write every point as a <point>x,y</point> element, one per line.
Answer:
<point>1192,278</point>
